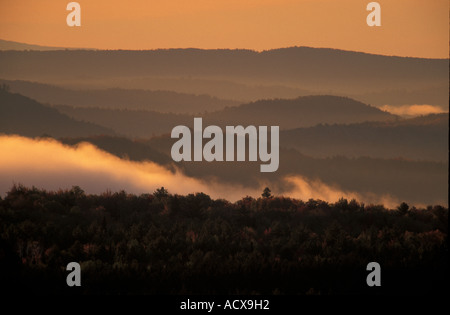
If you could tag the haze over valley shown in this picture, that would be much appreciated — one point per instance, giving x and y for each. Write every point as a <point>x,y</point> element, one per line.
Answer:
<point>340,131</point>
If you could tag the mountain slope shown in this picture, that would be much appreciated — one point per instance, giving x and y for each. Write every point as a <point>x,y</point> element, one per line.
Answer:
<point>423,138</point>
<point>288,114</point>
<point>397,179</point>
<point>295,64</point>
<point>130,123</point>
<point>117,98</point>
<point>123,148</point>
<point>300,112</point>
<point>24,116</point>
<point>11,45</point>
<point>314,69</point>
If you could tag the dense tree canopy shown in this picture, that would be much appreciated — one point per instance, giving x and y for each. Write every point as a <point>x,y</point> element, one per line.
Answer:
<point>167,243</point>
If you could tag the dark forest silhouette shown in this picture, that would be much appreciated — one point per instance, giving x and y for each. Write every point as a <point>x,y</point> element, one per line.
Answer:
<point>164,243</point>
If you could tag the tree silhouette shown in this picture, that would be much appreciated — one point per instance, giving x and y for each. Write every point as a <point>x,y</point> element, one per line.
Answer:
<point>266,193</point>
<point>161,193</point>
<point>403,208</point>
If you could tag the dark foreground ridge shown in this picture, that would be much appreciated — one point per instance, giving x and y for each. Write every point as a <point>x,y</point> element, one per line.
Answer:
<point>162,243</point>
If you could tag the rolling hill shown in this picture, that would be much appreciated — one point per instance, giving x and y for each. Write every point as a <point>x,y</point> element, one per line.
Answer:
<point>129,123</point>
<point>400,178</point>
<point>300,112</point>
<point>316,70</point>
<point>123,148</point>
<point>303,111</point>
<point>295,65</point>
<point>393,178</point>
<point>24,116</point>
<point>118,98</point>
<point>12,45</point>
<point>421,138</point>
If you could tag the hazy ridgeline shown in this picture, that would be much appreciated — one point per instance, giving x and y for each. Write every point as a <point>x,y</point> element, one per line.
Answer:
<point>355,183</point>
<point>370,154</point>
<point>240,75</point>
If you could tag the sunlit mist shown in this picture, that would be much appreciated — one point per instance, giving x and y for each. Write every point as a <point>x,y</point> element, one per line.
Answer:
<point>48,164</point>
<point>306,189</point>
<point>413,110</point>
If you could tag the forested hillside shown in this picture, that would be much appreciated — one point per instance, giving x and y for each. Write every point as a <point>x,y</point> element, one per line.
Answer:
<point>163,243</point>
<point>25,116</point>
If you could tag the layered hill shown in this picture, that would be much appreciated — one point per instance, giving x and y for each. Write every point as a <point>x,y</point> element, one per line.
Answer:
<point>124,148</point>
<point>287,114</point>
<point>393,178</point>
<point>214,72</point>
<point>118,98</point>
<point>24,116</point>
<point>296,64</point>
<point>421,138</point>
<point>12,45</point>
<point>405,177</point>
<point>303,111</point>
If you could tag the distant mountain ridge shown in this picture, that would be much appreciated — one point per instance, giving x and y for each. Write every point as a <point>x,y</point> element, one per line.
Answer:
<point>403,178</point>
<point>299,67</point>
<point>281,63</point>
<point>420,138</point>
<point>12,45</point>
<point>287,114</point>
<point>303,111</point>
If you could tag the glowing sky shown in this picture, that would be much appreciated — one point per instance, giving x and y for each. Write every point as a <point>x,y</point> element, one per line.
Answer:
<point>409,27</point>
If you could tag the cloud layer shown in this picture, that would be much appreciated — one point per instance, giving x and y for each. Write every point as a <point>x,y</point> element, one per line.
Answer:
<point>412,110</point>
<point>48,164</point>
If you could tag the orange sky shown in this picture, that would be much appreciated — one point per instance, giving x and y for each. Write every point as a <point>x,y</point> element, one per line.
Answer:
<point>416,28</point>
